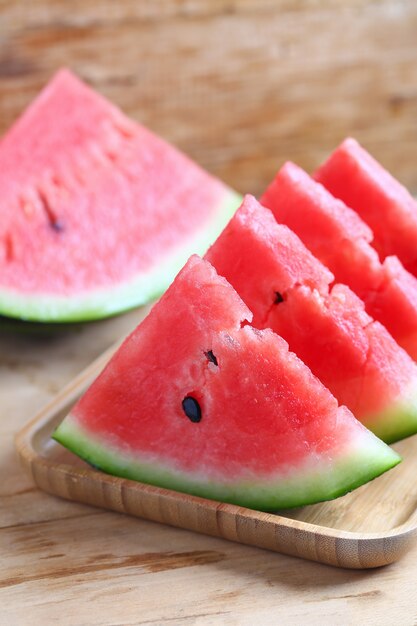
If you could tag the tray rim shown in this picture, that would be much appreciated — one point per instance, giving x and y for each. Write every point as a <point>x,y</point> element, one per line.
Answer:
<point>341,548</point>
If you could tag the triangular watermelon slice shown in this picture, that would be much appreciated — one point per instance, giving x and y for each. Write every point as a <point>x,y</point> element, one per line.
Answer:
<point>337,236</point>
<point>354,176</point>
<point>98,214</point>
<point>353,355</point>
<point>194,401</point>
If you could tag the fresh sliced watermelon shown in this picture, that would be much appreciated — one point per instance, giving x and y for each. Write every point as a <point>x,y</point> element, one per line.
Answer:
<point>337,236</point>
<point>254,245</point>
<point>98,214</point>
<point>194,402</point>
<point>354,176</point>
<point>354,356</point>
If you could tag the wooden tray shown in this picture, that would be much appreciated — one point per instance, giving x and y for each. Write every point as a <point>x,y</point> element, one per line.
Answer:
<point>373,526</point>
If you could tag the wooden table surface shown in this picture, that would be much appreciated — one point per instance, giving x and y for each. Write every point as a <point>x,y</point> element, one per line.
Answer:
<point>241,85</point>
<point>69,564</point>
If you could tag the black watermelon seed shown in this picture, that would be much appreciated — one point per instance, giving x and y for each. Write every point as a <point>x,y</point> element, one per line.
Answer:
<point>57,226</point>
<point>278,298</point>
<point>192,409</point>
<point>53,220</point>
<point>211,357</point>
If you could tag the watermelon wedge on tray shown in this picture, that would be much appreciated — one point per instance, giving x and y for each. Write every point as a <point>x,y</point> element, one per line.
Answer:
<point>98,214</point>
<point>195,402</point>
<point>354,176</point>
<point>337,236</point>
<point>287,289</point>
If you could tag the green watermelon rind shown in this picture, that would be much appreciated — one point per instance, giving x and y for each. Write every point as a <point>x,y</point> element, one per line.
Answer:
<point>366,460</point>
<point>139,290</point>
<point>396,422</point>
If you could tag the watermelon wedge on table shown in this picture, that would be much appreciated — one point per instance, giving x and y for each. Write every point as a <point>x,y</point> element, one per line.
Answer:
<point>194,401</point>
<point>288,290</point>
<point>98,214</point>
<point>337,236</point>
<point>354,176</point>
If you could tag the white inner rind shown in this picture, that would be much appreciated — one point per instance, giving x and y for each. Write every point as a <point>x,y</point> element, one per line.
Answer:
<point>138,290</point>
<point>314,479</point>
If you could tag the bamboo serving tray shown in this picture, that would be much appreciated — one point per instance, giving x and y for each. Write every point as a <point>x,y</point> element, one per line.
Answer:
<point>370,527</point>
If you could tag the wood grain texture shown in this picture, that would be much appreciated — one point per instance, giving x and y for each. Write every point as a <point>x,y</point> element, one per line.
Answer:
<point>239,85</point>
<point>341,535</point>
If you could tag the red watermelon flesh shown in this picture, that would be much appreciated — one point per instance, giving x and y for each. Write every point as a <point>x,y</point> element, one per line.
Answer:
<point>354,176</point>
<point>353,355</point>
<point>329,331</point>
<point>284,261</point>
<point>98,214</point>
<point>395,304</point>
<point>268,435</point>
<point>337,236</point>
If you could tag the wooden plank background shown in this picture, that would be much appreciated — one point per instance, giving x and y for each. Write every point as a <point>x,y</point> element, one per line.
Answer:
<point>240,85</point>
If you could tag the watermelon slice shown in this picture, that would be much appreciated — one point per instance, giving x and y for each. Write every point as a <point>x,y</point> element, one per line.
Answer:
<point>337,236</point>
<point>354,356</point>
<point>192,401</point>
<point>353,175</point>
<point>98,214</point>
